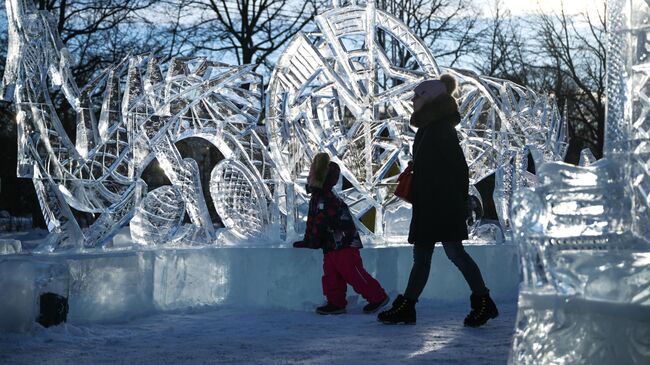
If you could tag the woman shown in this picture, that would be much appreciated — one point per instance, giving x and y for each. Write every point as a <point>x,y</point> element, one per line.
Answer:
<point>440,196</point>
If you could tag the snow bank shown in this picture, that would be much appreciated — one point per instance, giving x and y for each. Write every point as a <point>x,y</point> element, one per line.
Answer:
<point>120,286</point>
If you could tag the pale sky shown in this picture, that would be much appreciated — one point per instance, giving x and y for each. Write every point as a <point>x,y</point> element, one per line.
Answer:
<point>521,7</point>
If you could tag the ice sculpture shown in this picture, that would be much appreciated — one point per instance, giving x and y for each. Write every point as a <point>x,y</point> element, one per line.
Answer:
<point>137,122</point>
<point>583,233</point>
<point>586,157</point>
<point>346,89</point>
<point>158,216</point>
<point>502,125</point>
<point>500,117</point>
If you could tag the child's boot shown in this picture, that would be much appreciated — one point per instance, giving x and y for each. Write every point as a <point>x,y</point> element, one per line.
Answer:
<point>373,307</point>
<point>403,311</point>
<point>330,308</point>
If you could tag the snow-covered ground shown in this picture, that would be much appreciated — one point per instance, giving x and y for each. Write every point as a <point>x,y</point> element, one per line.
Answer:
<point>229,335</point>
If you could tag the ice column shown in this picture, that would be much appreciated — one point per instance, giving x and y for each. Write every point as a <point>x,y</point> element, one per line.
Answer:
<point>628,108</point>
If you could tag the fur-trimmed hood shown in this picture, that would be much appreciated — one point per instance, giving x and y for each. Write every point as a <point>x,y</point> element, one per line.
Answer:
<point>323,173</point>
<point>318,170</point>
<point>332,177</point>
<point>442,109</point>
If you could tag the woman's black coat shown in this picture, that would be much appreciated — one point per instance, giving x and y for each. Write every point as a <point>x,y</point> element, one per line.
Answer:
<point>440,175</point>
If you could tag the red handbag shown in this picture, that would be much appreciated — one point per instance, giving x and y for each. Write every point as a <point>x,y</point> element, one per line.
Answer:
<point>404,183</point>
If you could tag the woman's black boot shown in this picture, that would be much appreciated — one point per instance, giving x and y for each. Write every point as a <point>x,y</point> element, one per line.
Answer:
<point>483,309</point>
<point>403,311</point>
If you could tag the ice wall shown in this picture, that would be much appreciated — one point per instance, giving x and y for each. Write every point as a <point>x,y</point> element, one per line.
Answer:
<point>121,286</point>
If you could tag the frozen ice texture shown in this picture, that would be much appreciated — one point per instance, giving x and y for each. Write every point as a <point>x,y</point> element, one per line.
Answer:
<point>488,233</point>
<point>115,286</point>
<point>239,198</point>
<point>344,89</point>
<point>583,231</point>
<point>110,288</point>
<point>397,218</point>
<point>585,274</point>
<point>143,112</point>
<point>158,216</point>
<point>17,304</point>
<point>10,246</point>
<point>13,223</point>
<point>586,157</point>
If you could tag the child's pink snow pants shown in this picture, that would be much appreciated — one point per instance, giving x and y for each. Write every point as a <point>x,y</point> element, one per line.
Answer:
<point>342,267</point>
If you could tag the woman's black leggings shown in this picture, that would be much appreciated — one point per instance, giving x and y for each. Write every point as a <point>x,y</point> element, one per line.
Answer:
<point>422,253</point>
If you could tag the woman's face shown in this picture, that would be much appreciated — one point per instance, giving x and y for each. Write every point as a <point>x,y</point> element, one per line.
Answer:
<point>418,100</point>
<point>427,91</point>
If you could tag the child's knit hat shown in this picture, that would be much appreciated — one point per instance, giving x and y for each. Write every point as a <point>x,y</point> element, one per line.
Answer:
<point>318,170</point>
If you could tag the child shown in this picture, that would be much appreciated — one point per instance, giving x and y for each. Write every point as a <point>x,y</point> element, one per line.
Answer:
<point>330,226</point>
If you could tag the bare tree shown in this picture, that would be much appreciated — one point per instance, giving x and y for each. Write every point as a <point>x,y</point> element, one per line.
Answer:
<point>502,50</point>
<point>174,25</point>
<point>555,53</point>
<point>99,33</point>
<point>250,31</point>
<point>573,54</point>
<point>448,27</point>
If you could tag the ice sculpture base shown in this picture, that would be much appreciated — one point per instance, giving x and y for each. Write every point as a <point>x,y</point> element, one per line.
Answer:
<point>117,286</point>
<point>555,329</point>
